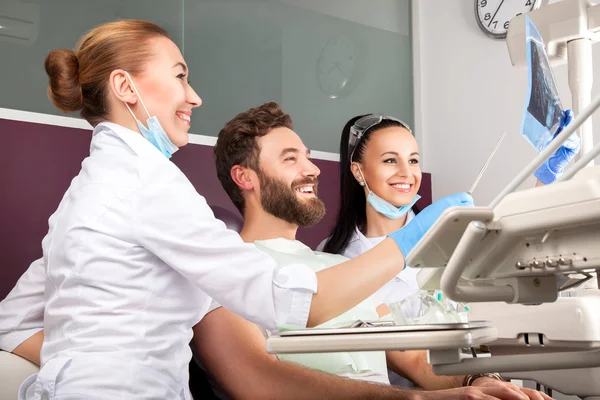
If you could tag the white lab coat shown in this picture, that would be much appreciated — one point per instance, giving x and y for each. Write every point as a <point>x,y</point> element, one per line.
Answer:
<point>399,288</point>
<point>130,263</point>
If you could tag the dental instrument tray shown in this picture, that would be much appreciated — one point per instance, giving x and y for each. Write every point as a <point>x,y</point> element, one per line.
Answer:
<point>382,327</point>
<point>383,337</point>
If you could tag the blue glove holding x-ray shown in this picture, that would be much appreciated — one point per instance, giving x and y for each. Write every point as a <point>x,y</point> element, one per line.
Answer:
<point>407,237</point>
<point>556,164</point>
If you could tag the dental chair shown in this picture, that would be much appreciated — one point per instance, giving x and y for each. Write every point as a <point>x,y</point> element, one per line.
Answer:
<point>13,371</point>
<point>232,220</point>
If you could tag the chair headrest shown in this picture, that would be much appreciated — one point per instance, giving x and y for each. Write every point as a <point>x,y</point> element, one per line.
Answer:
<point>232,220</point>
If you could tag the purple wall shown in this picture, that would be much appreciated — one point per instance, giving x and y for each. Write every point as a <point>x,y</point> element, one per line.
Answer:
<point>39,161</point>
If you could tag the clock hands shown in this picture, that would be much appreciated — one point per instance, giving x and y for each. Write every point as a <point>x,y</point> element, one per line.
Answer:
<point>494,16</point>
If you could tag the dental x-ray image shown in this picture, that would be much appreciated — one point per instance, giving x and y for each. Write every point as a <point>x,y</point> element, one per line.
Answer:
<point>543,110</point>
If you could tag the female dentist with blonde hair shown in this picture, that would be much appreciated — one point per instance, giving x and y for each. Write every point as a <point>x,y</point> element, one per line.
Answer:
<point>134,254</point>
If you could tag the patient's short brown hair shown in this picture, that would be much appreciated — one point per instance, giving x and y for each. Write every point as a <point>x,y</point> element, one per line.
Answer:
<point>237,144</point>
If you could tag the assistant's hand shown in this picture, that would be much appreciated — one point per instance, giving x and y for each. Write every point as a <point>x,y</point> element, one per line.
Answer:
<point>556,164</point>
<point>407,237</point>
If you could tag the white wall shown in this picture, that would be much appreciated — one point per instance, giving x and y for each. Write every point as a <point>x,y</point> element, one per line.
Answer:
<point>470,94</point>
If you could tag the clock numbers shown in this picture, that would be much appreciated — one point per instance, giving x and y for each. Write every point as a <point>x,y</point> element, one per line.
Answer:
<point>493,16</point>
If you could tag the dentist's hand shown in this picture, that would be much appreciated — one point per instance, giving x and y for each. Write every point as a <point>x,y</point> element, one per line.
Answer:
<point>407,237</point>
<point>556,164</point>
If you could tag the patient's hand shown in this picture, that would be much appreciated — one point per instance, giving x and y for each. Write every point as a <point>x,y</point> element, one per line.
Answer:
<point>497,392</point>
<point>30,349</point>
<point>485,382</point>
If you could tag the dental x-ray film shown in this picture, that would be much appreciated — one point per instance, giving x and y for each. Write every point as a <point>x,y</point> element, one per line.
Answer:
<point>543,110</point>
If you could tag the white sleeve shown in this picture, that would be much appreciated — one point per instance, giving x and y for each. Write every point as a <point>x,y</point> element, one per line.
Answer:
<point>22,311</point>
<point>213,306</point>
<point>174,223</point>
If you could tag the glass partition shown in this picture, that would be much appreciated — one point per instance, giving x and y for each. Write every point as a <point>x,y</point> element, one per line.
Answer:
<point>323,61</point>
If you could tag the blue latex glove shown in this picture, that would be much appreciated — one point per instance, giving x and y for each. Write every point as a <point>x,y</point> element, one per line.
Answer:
<point>556,164</point>
<point>407,237</point>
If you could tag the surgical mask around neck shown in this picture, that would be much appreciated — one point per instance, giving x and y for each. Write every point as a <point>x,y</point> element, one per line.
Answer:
<point>155,133</point>
<point>388,209</point>
<point>384,207</point>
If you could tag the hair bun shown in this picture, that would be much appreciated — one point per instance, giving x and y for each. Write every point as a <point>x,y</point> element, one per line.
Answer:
<point>64,89</point>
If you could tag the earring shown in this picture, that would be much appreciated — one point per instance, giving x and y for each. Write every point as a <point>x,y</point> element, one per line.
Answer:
<point>360,182</point>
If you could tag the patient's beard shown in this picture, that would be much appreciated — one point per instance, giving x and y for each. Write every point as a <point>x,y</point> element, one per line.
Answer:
<point>281,201</point>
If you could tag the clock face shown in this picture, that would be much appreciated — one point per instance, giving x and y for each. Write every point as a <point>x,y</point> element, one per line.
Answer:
<point>493,16</point>
<point>335,66</point>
